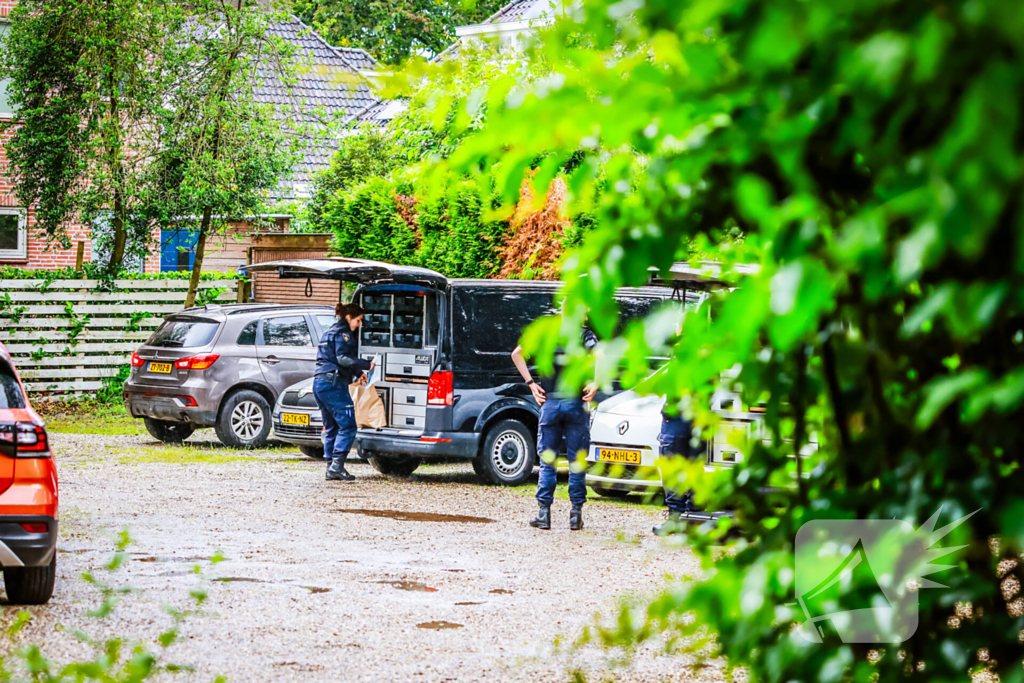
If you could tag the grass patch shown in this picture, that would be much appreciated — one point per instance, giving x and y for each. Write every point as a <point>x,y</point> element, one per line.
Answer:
<point>88,417</point>
<point>183,454</point>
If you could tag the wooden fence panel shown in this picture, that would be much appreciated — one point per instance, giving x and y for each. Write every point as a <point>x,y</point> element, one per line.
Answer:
<point>59,354</point>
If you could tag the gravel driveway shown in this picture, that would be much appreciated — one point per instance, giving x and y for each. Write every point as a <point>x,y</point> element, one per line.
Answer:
<point>435,578</point>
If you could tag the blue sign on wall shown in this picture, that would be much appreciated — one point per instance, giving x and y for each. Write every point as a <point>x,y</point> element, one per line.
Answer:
<point>177,250</point>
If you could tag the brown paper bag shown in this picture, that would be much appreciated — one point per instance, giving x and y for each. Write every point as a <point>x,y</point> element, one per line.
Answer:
<point>369,408</point>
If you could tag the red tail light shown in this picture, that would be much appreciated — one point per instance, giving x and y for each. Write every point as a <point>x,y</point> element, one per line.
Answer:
<point>136,361</point>
<point>32,441</point>
<point>439,389</point>
<point>197,362</point>
<point>35,527</point>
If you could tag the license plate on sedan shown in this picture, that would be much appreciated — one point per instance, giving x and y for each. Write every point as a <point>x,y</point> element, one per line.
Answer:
<point>160,367</point>
<point>294,419</point>
<point>624,456</point>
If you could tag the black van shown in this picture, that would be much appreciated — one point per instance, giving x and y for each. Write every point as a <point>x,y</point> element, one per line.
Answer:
<point>449,386</point>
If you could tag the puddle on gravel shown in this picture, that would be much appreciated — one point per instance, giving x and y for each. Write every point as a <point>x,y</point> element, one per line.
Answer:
<point>410,586</point>
<point>469,603</point>
<point>502,591</point>
<point>455,571</point>
<point>239,579</point>
<point>416,516</point>
<point>438,625</point>
<point>151,558</point>
<point>317,589</point>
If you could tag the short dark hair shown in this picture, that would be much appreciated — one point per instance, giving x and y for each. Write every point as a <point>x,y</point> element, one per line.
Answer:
<point>352,310</point>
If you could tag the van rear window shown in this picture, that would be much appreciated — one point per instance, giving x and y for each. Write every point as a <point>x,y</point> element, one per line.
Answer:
<point>492,321</point>
<point>10,390</point>
<point>184,334</point>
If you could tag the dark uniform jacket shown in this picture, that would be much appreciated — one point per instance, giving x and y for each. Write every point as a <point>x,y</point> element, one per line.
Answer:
<point>339,353</point>
<point>550,384</point>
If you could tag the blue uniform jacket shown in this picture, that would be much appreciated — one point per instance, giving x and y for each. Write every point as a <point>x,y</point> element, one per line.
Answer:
<point>339,352</point>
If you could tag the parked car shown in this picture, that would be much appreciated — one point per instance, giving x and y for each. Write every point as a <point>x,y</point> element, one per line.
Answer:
<point>28,495</point>
<point>223,367</point>
<point>449,386</point>
<point>297,419</point>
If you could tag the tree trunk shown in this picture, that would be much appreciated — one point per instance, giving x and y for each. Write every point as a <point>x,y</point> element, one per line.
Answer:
<point>120,235</point>
<point>197,267</point>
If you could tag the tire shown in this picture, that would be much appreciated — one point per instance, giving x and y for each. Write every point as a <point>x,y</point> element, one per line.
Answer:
<point>393,467</point>
<point>608,492</point>
<point>30,585</point>
<point>244,420</point>
<point>167,431</point>
<point>508,455</point>
<point>315,452</point>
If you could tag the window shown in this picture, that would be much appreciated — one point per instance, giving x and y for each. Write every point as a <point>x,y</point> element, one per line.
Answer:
<point>184,334</point>
<point>247,337</point>
<point>13,235</point>
<point>10,390</point>
<point>6,109</point>
<point>326,321</point>
<point>288,331</point>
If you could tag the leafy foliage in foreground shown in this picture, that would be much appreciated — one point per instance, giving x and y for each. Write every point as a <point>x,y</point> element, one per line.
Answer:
<point>115,659</point>
<point>870,154</point>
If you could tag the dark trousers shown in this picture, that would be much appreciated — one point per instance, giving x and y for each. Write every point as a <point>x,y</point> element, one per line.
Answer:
<point>557,419</point>
<point>675,441</point>
<point>339,417</point>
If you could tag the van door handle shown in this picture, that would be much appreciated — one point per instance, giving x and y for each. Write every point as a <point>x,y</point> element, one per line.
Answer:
<point>271,360</point>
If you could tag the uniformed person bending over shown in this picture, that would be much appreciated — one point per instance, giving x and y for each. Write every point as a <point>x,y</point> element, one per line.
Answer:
<point>338,365</point>
<point>560,415</point>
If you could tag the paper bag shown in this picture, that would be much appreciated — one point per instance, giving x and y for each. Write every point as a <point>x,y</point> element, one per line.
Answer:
<point>369,408</point>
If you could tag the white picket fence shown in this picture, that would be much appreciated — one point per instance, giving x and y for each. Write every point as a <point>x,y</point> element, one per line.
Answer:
<point>58,353</point>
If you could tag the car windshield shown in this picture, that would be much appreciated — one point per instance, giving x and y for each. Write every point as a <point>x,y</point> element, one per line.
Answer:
<point>10,390</point>
<point>184,333</point>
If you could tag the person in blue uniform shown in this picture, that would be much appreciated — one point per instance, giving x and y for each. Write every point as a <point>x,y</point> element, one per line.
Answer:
<point>561,415</point>
<point>675,441</point>
<point>337,365</point>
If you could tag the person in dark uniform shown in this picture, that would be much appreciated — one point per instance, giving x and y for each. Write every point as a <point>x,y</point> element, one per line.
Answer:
<point>560,415</point>
<point>338,365</point>
<point>676,440</point>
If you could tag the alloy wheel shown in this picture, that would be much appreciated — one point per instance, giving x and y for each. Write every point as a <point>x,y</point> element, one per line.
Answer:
<point>247,420</point>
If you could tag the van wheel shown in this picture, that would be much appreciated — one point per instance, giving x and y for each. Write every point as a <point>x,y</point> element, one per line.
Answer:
<point>167,431</point>
<point>394,467</point>
<point>315,452</point>
<point>508,454</point>
<point>244,420</point>
<point>30,585</point>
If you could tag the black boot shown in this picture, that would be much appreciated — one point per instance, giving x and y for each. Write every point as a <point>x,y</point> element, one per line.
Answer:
<point>576,518</point>
<point>337,471</point>
<point>543,518</point>
<point>673,525</point>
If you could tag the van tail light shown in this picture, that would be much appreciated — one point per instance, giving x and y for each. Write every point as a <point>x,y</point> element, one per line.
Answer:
<point>197,362</point>
<point>137,362</point>
<point>439,389</point>
<point>32,441</point>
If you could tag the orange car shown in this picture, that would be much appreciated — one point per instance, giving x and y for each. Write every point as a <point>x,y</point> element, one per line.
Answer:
<point>28,495</point>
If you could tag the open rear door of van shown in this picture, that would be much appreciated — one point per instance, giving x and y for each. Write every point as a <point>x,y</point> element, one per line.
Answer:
<point>349,270</point>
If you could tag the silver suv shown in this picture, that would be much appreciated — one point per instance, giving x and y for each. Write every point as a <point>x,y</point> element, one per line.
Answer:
<point>223,367</point>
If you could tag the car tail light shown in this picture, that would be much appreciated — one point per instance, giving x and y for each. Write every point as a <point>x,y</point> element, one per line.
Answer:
<point>439,389</point>
<point>137,362</point>
<point>32,441</point>
<point>197,362</point>
<point>35,527</point>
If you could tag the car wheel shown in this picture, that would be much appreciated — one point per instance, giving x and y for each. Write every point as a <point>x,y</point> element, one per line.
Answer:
<point>315,452</point>
<point>167,431</point>
<point>244,420</point>
<point>609,492</point>
<point>394,467</point>
<point>508,454</point>
<point>30,585</point>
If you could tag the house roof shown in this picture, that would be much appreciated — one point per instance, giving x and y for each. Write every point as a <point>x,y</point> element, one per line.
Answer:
<point>328,85</point>
<point>517,10</point>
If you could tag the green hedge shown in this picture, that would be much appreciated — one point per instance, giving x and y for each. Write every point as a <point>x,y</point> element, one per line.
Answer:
<point>96,272</point>
<point>448,231</point>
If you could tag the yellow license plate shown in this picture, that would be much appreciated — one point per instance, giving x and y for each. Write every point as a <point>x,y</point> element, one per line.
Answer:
<point>294,419</point>
<point>160,367</point>
<point>618,455</point>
